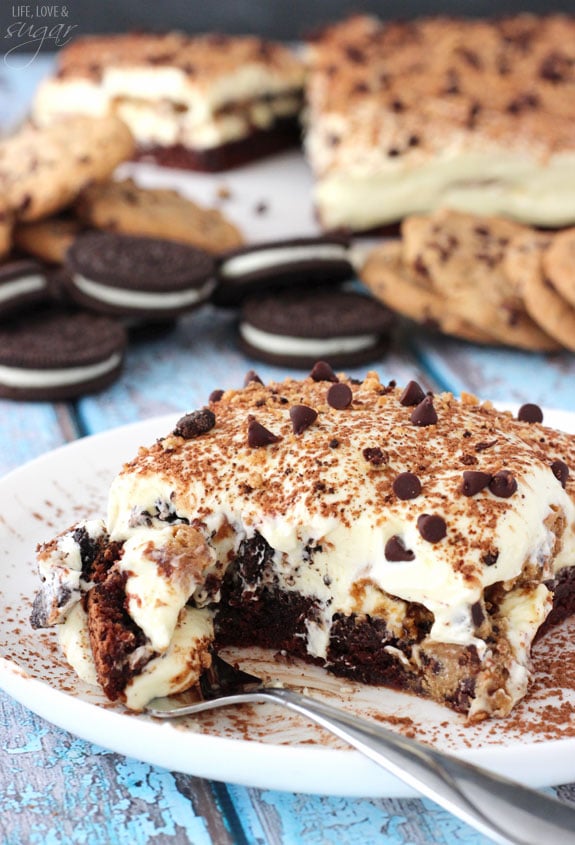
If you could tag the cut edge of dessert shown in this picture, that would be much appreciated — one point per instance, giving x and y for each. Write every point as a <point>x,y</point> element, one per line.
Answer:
<point>395,537</point>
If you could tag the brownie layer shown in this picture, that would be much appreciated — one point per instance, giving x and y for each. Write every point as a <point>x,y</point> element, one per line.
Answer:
<point>253,611</point>
<point>260,143</point>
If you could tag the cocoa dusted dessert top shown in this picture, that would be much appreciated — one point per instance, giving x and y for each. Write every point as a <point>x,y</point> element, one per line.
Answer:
<point>471,114</point>
<point>440,521</point>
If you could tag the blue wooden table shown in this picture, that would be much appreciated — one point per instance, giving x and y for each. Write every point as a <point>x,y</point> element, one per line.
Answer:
<point>56,788</point>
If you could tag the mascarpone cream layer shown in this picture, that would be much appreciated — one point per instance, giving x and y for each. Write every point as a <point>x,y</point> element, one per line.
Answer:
<point>538,193</point>
<point>159,114</point>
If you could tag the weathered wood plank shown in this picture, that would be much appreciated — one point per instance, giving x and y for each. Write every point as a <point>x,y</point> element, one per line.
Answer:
<point>278,818</point>
<point>500,374</point>
<point>55,788</point>
<point>28,429</point>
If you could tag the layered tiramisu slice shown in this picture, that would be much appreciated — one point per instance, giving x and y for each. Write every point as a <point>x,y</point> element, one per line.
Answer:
<point>206,102</point>
<point>392,536</point>
<point>476,115</point>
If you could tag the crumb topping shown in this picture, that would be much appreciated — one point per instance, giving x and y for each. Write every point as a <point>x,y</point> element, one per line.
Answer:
<point>380,454</point>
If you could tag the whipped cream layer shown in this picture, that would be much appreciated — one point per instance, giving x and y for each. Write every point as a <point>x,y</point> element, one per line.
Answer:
<point>473,114</point>
<point>199,92</point>
<point>497,183</point>
<point>325,502</point>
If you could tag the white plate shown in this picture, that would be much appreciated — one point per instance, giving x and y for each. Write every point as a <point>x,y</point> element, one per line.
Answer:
<point>260,746</point>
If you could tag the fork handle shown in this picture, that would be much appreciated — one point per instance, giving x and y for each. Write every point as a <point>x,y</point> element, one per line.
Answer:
<point>500,808</point>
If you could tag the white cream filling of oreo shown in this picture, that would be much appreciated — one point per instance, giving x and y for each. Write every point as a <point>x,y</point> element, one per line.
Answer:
<point>30,378</point>
<point>140,299</point>
<point>18,287</point>
<point>286,345</point>
<point>262,259</point>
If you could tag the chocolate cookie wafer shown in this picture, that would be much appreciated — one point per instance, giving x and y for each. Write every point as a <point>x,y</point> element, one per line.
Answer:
<point>138,277</point>
<point>296,262</point>
<point>56,353</point>
<point>296,329</point>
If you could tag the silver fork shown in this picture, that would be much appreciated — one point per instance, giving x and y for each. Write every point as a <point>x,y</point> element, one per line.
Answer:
<point>500,808</point>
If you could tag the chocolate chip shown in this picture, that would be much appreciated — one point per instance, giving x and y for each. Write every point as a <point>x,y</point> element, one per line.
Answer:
<point>194,424</point>
<point>302,417</point>
<point>259,436</point>
<point>491,557</point>
<point>474,481</point>
<point>530,413</point>
<point>431,527</point>
<point>481,447</point>
<point>554,67</point>
<point>395,550</point>
<point>406,486</point>
<point>216,395</point>
<point>251,375</point>
<point>503,484</point>
<point>323,372</point>
<point>354,54</point>
<point>339,396</point>
<point>412,394</point>
<point>376,456</point>
<point>424,413</point>
<point>561,471</point>
<point>477,614</point>
<point>333,443</point>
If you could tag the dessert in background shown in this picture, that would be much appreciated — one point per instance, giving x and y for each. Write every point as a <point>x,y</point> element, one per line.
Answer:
<point>478,115</point>
<point>207,102</point>
<point>392,536</point>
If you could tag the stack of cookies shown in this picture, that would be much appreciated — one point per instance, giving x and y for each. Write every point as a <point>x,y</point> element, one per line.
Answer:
<point>80,253</point>
<point>485,279</point>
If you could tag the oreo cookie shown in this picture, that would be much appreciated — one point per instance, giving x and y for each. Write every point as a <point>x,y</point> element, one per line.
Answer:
<point>54,353</point>
<point>297,329</point>
<point>135,276</point>
<point>23,282</point>
<point>298,262</point>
